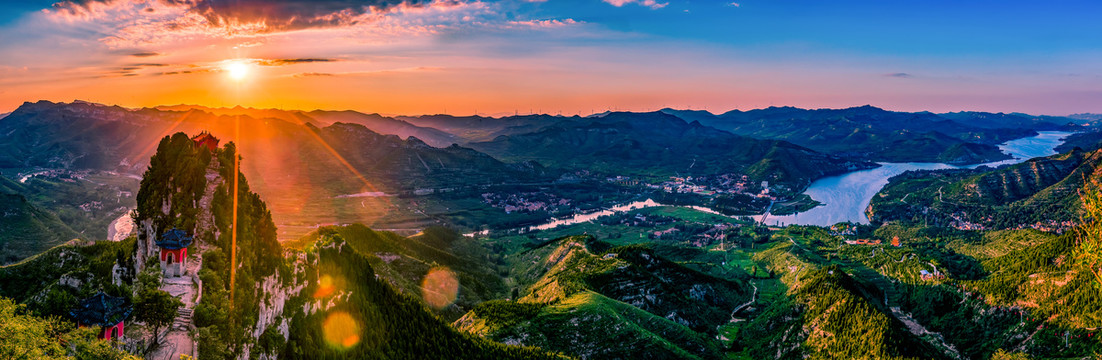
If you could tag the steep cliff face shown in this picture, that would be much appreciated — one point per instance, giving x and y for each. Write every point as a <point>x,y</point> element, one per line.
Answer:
<point>170,191</point>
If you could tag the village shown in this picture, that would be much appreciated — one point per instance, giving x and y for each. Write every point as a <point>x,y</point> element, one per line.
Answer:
<point>526,202</point>
<point>729,183</point>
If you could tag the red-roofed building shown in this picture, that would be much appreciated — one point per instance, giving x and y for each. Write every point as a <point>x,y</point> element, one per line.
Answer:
<point>205,139</point>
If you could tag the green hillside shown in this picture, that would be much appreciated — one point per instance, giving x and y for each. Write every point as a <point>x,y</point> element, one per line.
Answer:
<point>1033,299</point>
<point>826,316</point>
<point>89,266</point>
<point>26,230</point>
<point>391,325</point>
<point>602,293</point>
<point>1039,193</point>
<point>589,325</point>
<point>404,262</point>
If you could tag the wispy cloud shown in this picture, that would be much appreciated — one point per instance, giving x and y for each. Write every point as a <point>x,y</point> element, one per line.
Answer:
<point>419,69</point>
<point>139,23</point>
<point>543,24</point>
<point>648,3</point>
<point>270,15</point>
<point>281,62</point>
<point>313,74</point>
<point>901,75</point>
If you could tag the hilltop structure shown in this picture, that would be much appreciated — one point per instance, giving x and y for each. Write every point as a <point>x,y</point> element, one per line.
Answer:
<point>173,244</point>
<point>106,311</point>
<point>205,139</point>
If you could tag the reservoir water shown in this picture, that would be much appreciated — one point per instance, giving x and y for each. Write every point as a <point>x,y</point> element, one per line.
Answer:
<point>846,196</point>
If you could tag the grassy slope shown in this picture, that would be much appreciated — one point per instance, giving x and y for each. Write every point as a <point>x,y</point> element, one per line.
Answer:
<point>26,230</point>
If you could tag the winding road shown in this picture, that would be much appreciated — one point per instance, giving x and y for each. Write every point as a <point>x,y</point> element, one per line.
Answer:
<point>753,297</point>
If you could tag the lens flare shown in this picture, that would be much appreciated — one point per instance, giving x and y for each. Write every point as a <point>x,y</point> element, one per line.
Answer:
<point>326,287</point>
<point>341,331</point>
<point>440,287</point>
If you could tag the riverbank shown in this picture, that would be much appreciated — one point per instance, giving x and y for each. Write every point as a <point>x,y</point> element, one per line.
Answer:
<point>120,228</point>
<point>846,197</point>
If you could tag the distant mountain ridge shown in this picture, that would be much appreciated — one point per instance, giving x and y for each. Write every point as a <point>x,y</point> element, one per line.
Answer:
<point>375,122</point>
<point>1086,116</point>
<point>871,133</point>
<point>864,132</point>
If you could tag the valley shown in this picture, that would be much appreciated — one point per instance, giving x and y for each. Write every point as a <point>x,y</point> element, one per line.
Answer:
<point>497,247</point>
<point>550,180</point>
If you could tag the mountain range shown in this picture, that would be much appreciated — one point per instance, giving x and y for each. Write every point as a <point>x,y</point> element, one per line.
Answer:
<point>876,134</point>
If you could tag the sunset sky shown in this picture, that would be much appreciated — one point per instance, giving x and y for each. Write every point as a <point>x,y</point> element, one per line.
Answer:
<point>556,56</point>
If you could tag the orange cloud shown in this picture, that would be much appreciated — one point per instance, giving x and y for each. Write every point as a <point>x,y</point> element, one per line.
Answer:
<point>132,23</point>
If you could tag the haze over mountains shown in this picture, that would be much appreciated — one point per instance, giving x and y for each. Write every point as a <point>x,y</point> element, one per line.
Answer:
<point>306,162</point>
<point>360,215</point>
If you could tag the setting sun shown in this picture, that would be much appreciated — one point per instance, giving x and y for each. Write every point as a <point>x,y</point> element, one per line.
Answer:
<point>237,70</point>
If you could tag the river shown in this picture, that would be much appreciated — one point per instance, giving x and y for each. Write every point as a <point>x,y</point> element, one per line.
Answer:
<point>846,196</point>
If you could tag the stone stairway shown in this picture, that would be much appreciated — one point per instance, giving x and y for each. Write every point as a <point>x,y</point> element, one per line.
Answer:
<point>183,319</point>
<point>177,340</point>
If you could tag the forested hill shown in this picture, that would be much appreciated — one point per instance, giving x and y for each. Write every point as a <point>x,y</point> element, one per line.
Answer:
<point>590,299</point>
<point>663,144</point>
<point>1041,193</point>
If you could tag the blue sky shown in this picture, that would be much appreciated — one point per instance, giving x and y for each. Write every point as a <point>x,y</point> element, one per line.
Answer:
<point>1038,57</point>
